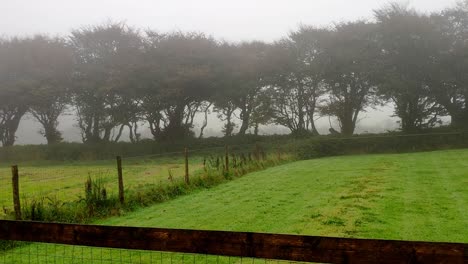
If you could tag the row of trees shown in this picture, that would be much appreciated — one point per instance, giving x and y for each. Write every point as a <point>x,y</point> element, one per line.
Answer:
<point>116,76</point>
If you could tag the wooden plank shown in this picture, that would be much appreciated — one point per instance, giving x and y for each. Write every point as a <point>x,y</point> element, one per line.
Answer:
<point>241,244</point>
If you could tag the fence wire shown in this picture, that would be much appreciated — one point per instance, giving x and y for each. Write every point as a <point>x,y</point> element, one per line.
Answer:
<point>45,253</point>
<point>60,183</point>
<point>66,183</point>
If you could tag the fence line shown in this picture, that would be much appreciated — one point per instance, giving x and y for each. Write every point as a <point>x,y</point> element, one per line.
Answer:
<point>188,150</point>
<point>237,244</point>
<point>97,188</point>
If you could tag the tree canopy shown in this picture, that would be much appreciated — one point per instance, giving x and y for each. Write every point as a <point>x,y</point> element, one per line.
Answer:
<point>116,77</point>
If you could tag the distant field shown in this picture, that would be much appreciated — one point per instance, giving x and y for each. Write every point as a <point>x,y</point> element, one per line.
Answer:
<point>65,182</point>
<point>417,196</point>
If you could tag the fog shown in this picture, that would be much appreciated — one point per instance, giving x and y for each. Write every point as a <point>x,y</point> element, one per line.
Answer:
<point>228,20</point>
<point>371,121</point>
<point>231,20</point>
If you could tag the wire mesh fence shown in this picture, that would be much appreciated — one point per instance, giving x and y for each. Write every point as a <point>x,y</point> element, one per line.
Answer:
<point>56,183</point>
<point>61,183</point>
<point>44,253</point>
<point>72,243</point>
<point>66,183</point>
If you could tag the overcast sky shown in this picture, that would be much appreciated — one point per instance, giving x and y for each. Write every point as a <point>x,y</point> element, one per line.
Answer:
<point>230,20</point>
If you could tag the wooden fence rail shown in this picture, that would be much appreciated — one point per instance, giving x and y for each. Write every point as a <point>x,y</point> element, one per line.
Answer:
<point>239,244</point>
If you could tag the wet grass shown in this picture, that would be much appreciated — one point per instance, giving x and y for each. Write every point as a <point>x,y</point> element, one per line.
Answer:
<point>65,182</point>
<point>418,196</point>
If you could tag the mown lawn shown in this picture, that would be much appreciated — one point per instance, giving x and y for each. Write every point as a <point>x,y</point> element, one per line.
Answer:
<point>417,196</point>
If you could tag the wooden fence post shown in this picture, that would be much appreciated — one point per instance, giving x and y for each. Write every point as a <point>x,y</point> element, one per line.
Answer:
<point>257,151</point>
<point>226,159</point>
<point>121,185</point>
<point>16,196</point>
<point>187,179</point>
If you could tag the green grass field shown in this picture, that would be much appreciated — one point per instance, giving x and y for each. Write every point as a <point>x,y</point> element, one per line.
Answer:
<point>417,196</point>
<point>65,182</point>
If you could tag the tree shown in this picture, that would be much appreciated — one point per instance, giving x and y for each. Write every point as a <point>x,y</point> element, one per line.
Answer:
<point>183,79</point>
<point>240,84</point>
<point>295,79</point>
<point>27,65</point>
<point>448,79</point>
<point>349,60</point>
<point>50,96</point>
<point>226,113</point>
<point>15,82</point>
<point>104,56</point>
<point>251,63</point>
<point>150,89</point>
<point>407,45</point>
<point>205,109</point>
<point>262,113</point>
<point>229,77</point>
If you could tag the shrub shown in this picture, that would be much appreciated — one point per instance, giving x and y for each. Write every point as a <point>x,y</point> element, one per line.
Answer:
<point>333,146</point>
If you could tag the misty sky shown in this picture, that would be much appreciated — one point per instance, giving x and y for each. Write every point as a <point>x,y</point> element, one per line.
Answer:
<point>230,20</point>
<point>233,20</point>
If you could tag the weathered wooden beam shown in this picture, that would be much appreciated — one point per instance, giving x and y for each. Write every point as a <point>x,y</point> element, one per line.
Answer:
<point>241,244</point>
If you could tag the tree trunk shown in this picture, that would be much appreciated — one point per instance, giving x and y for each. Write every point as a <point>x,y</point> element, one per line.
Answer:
<point>107,134</point>
<point>311,111</point>
<point>175,129</point>
<point>95,133</point>
<point>347,127</point>
<point>135,132</point>
<point>409,120</point>
<point>348,119</point>
<point>245,121</point>
<point>155,129</point>
<point>300,108</point>
<point>51,133</point>
<point>48,120</point>
<point>256,129</point>
<point>313,128</point>
<point>10,126</point>
<point>245,115</point>
<point>130,135</point>
<point>205,123</point>
<point>117,138</point>
<point>229,127</point>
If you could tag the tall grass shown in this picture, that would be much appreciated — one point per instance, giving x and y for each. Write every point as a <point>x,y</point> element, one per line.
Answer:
<point>96,202</point>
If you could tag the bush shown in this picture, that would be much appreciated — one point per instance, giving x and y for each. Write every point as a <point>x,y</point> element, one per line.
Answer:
<point>101,151</point>
<point>334,146</point>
